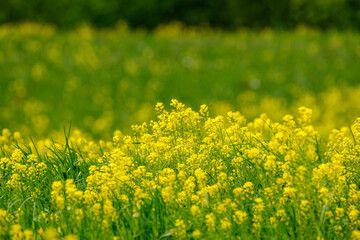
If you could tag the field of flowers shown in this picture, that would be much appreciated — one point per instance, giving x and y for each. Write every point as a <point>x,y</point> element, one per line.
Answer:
<point>101,80</point>
<point>185,176</point>
<point>262,143</point>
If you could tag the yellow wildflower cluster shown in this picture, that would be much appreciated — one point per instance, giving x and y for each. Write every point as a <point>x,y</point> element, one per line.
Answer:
<point>185,175</point>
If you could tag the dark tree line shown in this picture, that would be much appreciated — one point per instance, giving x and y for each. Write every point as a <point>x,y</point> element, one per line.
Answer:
<point>227,14</point>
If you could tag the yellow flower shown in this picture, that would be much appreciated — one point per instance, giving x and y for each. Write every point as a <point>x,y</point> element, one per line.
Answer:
<point>50,234</point>
<point>249,188</point>
<point>355,235</point>
<point>225,224</point>
<point>196,233</point>
<point>71,237</point>
<point>195,210</point>
<point>240,217</point>
<point>210,221</point>
<point>289,192</point>
<point>28,234</point>
<point>16,232</point>
<point>180,227</point>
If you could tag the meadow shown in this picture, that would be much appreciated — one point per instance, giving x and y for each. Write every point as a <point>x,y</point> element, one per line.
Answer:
<point>102,80</point>
<point>180,133</point>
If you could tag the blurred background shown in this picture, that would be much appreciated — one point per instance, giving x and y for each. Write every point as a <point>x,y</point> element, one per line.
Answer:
<point>228,14</point>
<point>103,65</point>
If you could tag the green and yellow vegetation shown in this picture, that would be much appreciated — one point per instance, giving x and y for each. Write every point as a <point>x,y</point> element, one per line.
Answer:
<point>102,80</point>
<point>272,152</point>
<point>185,176</point>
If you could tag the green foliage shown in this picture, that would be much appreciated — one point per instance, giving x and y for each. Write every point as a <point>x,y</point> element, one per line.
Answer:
<point>227,14</point>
